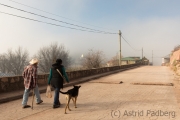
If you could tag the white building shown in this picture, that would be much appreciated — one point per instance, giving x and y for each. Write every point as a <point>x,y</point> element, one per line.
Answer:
<point>165,60</point>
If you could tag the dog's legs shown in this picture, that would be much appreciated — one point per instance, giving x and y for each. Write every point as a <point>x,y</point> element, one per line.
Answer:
<point>75,102</point>
<point>67,105</point>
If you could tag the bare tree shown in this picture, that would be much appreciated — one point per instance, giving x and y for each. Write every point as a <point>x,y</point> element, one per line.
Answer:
<point>93,59</point>
<point>14,61</point>
<point>48,55</point>
<point>3,63</point>
<point>114,61</point>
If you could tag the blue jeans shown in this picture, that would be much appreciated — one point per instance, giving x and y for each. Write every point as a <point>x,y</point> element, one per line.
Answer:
<point>56,96</point>
<point>26,95</point>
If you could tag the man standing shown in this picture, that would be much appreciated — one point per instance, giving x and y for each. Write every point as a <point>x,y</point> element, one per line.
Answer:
<point>30,82</point>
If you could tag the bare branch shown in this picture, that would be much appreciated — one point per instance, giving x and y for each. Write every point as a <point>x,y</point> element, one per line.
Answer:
<point>14,62</point>
<point>49,54</point>
<point>93,59</point>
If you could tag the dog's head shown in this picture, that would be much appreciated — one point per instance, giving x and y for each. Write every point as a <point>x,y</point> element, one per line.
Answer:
<point>76,87</point>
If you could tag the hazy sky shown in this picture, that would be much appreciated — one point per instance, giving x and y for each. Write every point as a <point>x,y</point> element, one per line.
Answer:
<point>149,24</point>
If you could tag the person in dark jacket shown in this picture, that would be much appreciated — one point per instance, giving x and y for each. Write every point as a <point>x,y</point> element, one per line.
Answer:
<point>56,80</point>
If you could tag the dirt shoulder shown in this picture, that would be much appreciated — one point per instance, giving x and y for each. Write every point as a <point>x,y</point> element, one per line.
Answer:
<point>176,82</point>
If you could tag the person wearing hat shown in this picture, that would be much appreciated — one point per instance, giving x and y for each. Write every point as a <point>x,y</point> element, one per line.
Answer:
<point>56,80</point>
<point>30,82</point>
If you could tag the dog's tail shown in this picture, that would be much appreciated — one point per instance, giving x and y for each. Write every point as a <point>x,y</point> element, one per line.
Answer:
<point>63,92</point>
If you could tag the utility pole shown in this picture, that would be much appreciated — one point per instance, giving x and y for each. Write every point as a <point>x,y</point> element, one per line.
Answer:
<point>142,53</point>
<point>142,62</point>
<point>119,48</point>
<point>152,57</point>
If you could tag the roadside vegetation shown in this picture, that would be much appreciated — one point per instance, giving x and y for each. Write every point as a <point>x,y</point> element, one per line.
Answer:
<point>13,61</point>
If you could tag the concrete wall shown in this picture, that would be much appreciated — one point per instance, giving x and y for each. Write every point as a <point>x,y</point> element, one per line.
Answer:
<point>8,84</point>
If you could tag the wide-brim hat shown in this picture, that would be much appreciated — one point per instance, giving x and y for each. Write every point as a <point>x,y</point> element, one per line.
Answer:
<point>33,61</point>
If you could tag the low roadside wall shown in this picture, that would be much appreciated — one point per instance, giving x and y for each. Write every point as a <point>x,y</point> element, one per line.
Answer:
<point>13,83</point>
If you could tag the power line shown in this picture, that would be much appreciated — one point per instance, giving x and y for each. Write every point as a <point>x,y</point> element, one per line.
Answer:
<point>129,44</point>
<point>155,56</point>
<point>55,14</point>
<point>56,20</point>
<point>50,23</point>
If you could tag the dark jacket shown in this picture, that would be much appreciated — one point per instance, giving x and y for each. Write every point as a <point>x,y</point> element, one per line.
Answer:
<point>55,78</point>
